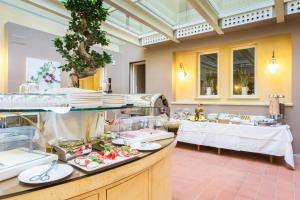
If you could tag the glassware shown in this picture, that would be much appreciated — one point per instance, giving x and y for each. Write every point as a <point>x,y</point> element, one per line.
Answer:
<point>29,87</point>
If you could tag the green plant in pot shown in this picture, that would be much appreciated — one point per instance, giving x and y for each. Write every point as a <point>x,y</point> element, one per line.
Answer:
<point>209,83</point>
<point>84,31</point>
<point>244,80</point>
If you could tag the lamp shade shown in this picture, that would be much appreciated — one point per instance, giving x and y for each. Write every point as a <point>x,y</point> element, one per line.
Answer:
<point>181,73</point>
<point>273,66</point>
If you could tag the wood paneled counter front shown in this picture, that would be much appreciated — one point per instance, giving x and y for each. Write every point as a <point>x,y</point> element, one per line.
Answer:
<point>147,178</point>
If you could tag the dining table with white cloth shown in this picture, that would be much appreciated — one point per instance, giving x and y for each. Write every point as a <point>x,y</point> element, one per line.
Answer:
<point>270,140</point>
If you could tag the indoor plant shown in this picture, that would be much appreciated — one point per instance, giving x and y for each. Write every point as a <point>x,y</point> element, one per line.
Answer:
<point>209,83</point>
<point>84,31</point>
<point>244,80</point>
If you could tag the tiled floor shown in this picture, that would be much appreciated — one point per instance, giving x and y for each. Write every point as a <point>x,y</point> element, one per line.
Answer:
<point>233,175</point>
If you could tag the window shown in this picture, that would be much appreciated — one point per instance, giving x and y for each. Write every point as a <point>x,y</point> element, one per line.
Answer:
<point>208,74</point>
<point>244,61</point>
<point>137,78</point>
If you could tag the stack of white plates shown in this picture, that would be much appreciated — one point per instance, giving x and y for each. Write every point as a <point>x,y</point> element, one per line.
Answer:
<point>113,99</point>
<point>80,98</point>
<point>142,100</point>
<point>86,99</point>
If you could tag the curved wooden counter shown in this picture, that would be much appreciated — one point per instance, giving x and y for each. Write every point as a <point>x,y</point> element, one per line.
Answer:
<point>144,179</point>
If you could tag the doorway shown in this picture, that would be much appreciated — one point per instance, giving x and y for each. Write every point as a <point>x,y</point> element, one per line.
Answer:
<point>138,77</point>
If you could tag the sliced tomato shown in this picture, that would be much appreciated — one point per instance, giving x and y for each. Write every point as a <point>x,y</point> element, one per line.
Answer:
<point>113,155</point>
<point>101,153</point>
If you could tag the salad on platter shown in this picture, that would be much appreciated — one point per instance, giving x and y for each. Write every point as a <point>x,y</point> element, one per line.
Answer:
<point>108,156</point>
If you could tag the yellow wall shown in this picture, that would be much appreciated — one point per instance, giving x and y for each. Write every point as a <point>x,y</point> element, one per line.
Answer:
<point>267,83</point>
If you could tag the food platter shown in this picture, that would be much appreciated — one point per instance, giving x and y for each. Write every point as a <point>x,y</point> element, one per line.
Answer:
<point>111,155</point>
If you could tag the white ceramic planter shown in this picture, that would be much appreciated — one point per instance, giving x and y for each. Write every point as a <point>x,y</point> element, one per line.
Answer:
<point>208,91</point>
<point>244,90</point>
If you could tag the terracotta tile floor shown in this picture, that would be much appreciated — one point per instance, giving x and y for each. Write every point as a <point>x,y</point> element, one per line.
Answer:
<point>205,175</point>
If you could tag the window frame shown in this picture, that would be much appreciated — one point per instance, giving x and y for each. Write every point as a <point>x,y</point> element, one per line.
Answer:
<point>237,96</point>
<point>199,96</point>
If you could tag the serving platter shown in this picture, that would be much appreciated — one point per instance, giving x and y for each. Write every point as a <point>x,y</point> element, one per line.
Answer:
<point>109,156</point>
<point>108,163</point>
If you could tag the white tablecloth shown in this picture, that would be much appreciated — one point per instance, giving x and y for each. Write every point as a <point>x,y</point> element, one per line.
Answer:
<point>275,141</point>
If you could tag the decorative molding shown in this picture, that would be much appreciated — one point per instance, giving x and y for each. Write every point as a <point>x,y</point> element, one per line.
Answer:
<point>219,103</point>
<point>293,7</point>
<point>193,30</point>
<point>201,97</point>
<point>248,17</point>
<point>152,39</point>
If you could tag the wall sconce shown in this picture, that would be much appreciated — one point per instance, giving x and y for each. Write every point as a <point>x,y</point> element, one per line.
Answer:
<point>273,66</point>
<point>181,73</point>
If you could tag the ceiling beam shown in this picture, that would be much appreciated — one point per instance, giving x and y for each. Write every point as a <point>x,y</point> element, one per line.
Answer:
<point>133,10</point>
<point>57,8</point>
<point>204,8</point>
<point>121,34</point>
<point>279,9</point>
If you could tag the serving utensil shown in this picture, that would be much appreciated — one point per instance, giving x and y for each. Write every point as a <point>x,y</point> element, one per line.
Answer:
<point>45,175</point>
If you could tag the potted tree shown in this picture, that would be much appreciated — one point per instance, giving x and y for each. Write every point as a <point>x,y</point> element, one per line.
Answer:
<point>244,80</point>
<point>84,31</point>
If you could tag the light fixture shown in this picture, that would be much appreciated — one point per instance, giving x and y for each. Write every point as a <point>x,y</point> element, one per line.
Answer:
<point>273,66</point>
<point>181,73</point>
<point>236,87</point>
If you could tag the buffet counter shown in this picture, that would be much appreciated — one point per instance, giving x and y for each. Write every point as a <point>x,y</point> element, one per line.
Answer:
<point>274,141</point>
<point>147,177</point>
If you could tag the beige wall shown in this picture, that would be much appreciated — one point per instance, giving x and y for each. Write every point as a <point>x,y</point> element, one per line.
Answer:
<point>159,61</point>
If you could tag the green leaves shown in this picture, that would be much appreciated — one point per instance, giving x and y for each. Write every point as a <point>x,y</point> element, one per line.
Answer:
<point>244,77</point>
<point>84,31</point>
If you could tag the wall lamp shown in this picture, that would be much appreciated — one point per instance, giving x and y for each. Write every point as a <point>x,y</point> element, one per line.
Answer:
<point>273,66</point>
<point>181,72</point>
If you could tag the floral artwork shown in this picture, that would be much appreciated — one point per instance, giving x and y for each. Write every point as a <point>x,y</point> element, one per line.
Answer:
<point>44,72</point>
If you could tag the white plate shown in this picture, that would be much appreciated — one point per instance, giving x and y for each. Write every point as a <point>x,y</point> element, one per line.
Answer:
<point>119,141</point>
<point>148,146</point>
<point>59,172</point>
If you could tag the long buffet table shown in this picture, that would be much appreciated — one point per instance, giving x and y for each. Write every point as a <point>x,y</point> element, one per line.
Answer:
<point>275,141</point>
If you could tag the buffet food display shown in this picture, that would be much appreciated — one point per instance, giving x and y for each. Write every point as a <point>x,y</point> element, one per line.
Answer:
<point>108,156</point>
<point>38,142</point>
<point>228,118</point>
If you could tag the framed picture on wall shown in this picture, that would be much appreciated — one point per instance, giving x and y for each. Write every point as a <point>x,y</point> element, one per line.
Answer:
<point>43,72</point>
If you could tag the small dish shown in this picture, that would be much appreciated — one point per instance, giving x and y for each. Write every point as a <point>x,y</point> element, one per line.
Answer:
<point>146,146</point>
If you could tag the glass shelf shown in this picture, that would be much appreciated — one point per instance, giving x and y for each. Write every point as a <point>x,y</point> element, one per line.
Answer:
<point>102,108</point>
